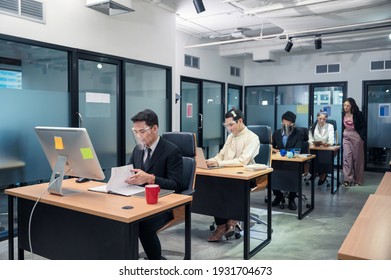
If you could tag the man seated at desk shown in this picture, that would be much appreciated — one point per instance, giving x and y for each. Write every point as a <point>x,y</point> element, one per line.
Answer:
<point>288,137</point>
<point>155,161</point>
<point>322,131</point>
<point>240,149</point>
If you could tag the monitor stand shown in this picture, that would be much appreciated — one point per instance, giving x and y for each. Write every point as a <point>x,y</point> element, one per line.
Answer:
<point>55,185</point>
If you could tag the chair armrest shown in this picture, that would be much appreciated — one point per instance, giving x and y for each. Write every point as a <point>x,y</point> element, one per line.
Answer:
<point>188,192</point>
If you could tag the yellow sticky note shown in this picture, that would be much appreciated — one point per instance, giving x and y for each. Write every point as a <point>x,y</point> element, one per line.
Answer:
<point>86,153</point>
<point>302,109</point>
<point>58,144</point>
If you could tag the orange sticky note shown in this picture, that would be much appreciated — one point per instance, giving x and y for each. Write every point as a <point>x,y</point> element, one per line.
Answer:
<point>86,153</point>
<point>58,144</point>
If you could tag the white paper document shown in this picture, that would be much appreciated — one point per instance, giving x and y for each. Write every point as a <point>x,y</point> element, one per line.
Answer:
<point>117,184</point>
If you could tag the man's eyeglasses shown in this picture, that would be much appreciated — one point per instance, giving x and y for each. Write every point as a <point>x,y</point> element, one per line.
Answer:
<point>140,131</point>
<point>228,125</point>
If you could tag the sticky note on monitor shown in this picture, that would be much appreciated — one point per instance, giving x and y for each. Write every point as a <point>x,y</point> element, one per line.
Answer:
<point>58,144</point>
<point>86,153</point>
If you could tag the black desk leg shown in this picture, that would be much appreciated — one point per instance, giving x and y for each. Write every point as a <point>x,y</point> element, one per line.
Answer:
<point>334,189</point>
<point>10,227</point>
<point>301,215</point>
<point>249,254</point>
<point>269,208</point>
<point>300,198</point>
<point>246,221</point>
<point>338,167</point>
<point>187,232</point>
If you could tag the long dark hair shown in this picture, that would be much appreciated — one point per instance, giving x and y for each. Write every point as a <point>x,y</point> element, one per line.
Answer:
<point>353,104</point>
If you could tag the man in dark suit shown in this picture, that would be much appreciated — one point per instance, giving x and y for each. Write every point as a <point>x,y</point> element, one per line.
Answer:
<point>155,161</point>
<point>288,137</point>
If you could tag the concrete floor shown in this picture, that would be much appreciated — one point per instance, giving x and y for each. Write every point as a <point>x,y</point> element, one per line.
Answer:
<point>318,236</point>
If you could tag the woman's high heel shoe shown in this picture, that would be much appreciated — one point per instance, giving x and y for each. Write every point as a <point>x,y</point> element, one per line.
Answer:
<point>231,226</point>
<point>218,233</point>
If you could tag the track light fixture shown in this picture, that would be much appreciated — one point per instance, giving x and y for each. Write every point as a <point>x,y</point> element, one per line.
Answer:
<point>318,42</point>
<point>289,45</point>
<point>199,6</point>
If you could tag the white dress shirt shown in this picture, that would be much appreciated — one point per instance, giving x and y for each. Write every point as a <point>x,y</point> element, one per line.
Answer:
<point>239,150</point>
<point>324,134</point>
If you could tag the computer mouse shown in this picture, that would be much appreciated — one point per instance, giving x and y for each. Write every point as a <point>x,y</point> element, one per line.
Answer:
<point>82,180</point>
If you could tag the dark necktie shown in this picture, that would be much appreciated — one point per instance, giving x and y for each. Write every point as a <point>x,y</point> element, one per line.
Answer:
<point>284,139</point>
<point>148,159</point>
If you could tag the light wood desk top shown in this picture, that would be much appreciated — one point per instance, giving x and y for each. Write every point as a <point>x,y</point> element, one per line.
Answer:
<point>99,204</point>
<point>299,158</point>
<point>326,148</point>
<point>369,237</point>
<point>384,187</point>
<point>233,172</point>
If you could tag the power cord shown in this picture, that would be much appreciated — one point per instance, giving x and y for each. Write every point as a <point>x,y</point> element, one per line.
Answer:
<point>31,217</point>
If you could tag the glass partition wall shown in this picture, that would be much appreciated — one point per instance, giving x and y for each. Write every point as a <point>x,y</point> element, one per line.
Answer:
<point>266,104</point>
<point>377,95</point>
<point>146,88</point>
<point>38,88</point>
<point>39,98</point>
<point>98,93</point>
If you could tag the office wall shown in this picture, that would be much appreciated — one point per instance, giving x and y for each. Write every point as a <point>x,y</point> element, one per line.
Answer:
<point>147,34</point>
<point>292,69</point>
<point>212,66</point>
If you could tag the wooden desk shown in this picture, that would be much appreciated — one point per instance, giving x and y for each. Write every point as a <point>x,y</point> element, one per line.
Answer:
<point>384,187</point>
<point>325,162</point>
<point>288,176</point>
<point>225,193</point>
<point>85,225</point>
<point>369,237</point>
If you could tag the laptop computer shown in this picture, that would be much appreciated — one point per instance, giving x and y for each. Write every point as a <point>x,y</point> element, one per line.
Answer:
<point>201,161</point>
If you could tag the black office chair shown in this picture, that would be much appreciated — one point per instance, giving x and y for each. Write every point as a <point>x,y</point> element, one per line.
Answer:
<point>264,157</point>
<point>186,142</point>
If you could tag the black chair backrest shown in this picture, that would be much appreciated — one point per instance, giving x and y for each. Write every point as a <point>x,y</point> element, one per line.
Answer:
<point>305,148</point>
<point>333,122</point>
<point>264,155</point>
<point>186,142</point>
<point>264,132</point>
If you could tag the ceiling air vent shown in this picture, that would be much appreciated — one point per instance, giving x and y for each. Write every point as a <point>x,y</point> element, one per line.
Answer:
<point>109,7</point>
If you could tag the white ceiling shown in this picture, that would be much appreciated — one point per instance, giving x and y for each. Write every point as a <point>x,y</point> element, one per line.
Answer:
<point>246,26</point>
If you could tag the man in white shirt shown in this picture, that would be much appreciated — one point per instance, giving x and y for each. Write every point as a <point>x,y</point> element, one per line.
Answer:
<point>240,148</point>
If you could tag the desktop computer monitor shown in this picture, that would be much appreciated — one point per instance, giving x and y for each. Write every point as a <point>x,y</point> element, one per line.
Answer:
<point>69,152</point>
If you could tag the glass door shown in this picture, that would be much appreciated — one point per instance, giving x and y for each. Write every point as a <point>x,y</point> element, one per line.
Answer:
<point>260,105</point>
<point>213,116</point>
<point>329,98</point>
<point>202,112</point>
<point>98,94</point>
<point>190,117</point>
<point>234,97</point>
<point>293,98</point>
<point>378,146</point>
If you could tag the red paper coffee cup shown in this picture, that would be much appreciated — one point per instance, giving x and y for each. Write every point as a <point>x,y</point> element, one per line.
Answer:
<point>152,193</point>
